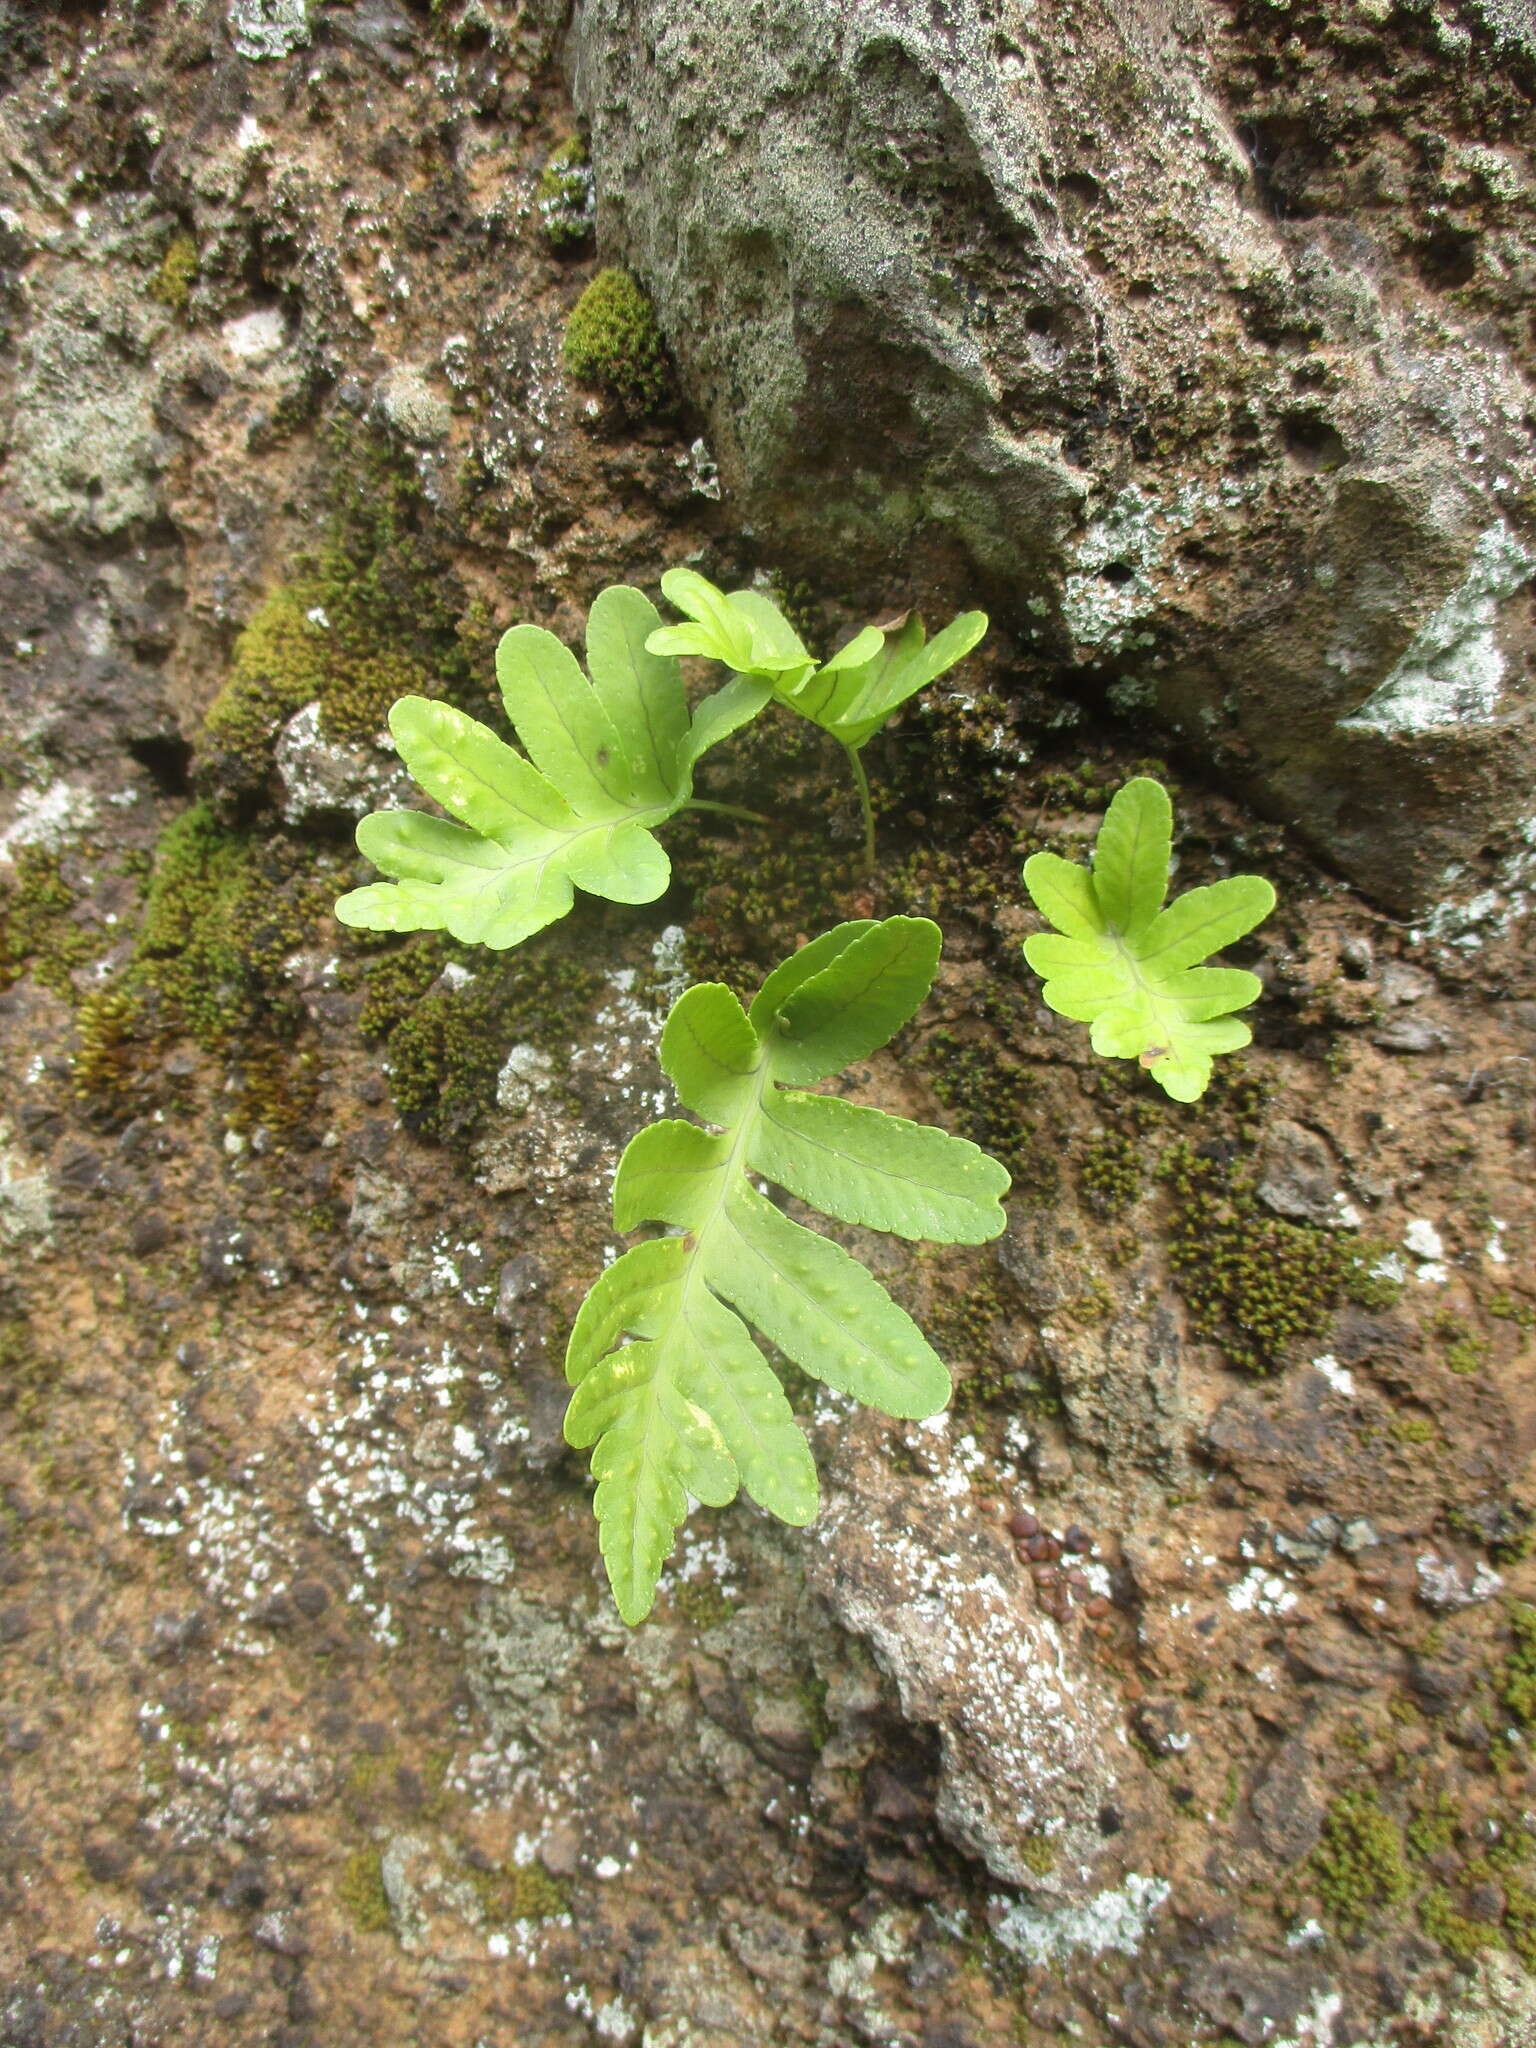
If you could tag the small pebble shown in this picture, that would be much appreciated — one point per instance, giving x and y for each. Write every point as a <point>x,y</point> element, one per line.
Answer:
<point>1045,1574</point>
<point>1079,1542</point>
<point>1078,1580</point>
<point>1022,1523</point>
<point>1038,1547</point>
<point>1097,1607</point>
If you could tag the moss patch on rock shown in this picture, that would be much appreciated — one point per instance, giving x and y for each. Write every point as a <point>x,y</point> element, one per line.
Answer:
<point>563,199</point>
<point>1254,1283</point>
<point>447,1018</point>
<point>38,932</point>
<point>612,342</point>
<point>371,614</point>
<point>1358,1865</point>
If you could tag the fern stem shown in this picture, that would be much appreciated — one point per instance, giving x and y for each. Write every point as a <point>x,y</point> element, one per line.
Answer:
<point>703,803</point>
<point>861,783</point>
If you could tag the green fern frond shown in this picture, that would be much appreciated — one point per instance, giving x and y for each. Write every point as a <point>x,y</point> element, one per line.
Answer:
<point>851,696</point>
<point>1127,967</point>
<point>608,759</point>
<point>688,1405</point>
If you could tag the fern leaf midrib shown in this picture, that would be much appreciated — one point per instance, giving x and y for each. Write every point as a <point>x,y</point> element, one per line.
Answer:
<point>1124,947</point>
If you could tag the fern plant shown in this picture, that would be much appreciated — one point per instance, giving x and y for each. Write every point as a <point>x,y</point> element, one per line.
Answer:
<point>1129,967</point>
<point>851,696</point>
<point>689,1404</point>
<point>609,757</point>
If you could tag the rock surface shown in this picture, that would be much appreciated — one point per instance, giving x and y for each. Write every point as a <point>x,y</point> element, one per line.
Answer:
<point>317,1722</point>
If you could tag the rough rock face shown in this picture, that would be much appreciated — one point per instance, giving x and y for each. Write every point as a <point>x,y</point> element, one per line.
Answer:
<point>1205,366</point>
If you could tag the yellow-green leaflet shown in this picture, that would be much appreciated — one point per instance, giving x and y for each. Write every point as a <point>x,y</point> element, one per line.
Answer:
<point>852,695</point>
<point>671,1392</point>
<point>1129,968</point>
<point>610,755</point>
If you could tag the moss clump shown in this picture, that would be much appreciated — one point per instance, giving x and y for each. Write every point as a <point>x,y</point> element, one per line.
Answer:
<point>361,1892</point>
<point>27,1374</point>
<point>371,615</point>
<point>962,1327</point>
<point>1412,1429</point>
<point>1374,1276</point>
<point>1111,1173</point>
<point>1509,1308</point>
<point>1254,1283</point>
<point>762,906</point>
<point>613,343</point>
<point>1358,1865</point>
<point>520,1891</point>
<point>991,1098</point>
<point>105,1026</point>
<point>565,201</point>
<point>223,912</point>
<point>1038,1853</point>
<point>1433,1826</point>
<point>173,281</point>
<point>446,1040</point>
<point>1458,1935</point>
<point>38,932</point>
<point>1516,1683</point>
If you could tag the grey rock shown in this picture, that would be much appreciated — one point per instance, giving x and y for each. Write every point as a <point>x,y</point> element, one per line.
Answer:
<point>86,453</point>
<point>320,778</point>
<point>903,260</point>
<point>268,28</point>
<point>1286,1805</point>
<point>1409,1034</point>
<point>1357,1535</point>
<point>520,1653</point>
<point>1031,1738</point>
<point>413,408</point>
<point>1120,1377</point>
<point>1297,1175</point>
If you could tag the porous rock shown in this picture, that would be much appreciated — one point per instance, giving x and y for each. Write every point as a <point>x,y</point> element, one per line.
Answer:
<point>1032,1743</point>
<point>997,300</point>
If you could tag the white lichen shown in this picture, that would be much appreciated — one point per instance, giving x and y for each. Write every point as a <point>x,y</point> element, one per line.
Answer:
<point>1452,671</point>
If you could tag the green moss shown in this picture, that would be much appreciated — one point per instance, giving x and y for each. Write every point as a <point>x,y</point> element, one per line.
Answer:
<point>445,1044</point>
<point>1433,1826</point>
<point>1459,1936</point>
<point>1509,1308</point>
<point>992,1099</point>
<point>520,1891</point>
<point>371,614</point>
<point>1516,1682</point>
<point>38,932</point>
<point>1038,1853</point>
<point>173,282</point>
<point>758,907</point>
<point>361,1892</point>
<point>612,342</point>
<point>105,1027</point>
<point>702,1603</point>
<point>1254,1283</point>
<point>1111,1173</point>
<point>811,1693</point>
<point>1373,1276</point>
<point>1358,1865</point>
<point>1412,1429</point>
<point>563,199</point>
<point>28,1374</point>
<point>1520,1922</point>
<point>223,912</point>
